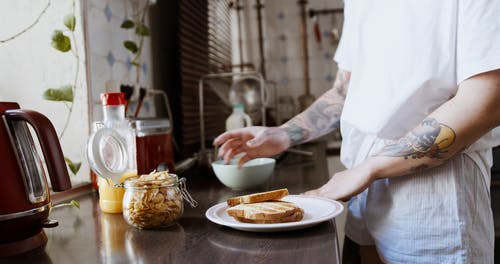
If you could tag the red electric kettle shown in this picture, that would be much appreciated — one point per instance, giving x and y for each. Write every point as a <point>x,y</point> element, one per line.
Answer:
<point>24,192</point>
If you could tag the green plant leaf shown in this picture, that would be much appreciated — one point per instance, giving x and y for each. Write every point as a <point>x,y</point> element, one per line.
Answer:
<point>73,166</point>
<point>142,30</point>
<point>60,41</point>
<point>130,45</point>
<point>75,203</point>
<point>70,21</point>
<point>64,93</point>
<point>127,24</point>
<point>136,64</point>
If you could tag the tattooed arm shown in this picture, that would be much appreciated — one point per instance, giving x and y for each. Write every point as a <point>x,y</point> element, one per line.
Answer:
<point>456,124</point>
<point>320,118</point>
<point>451,128</point>
<point>429,139</point>
<point>323,116</point>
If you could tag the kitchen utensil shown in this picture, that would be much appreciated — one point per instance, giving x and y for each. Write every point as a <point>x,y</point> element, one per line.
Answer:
<point>128,90</point>
<point>317,30</point>
<point>142,94</point>
<point>253,173</point>
<point>300,152</point>
<point>24,193</point>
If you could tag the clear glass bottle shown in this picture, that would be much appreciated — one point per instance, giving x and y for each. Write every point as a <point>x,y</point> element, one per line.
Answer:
<point>111,152</point>
<point>113,106</point>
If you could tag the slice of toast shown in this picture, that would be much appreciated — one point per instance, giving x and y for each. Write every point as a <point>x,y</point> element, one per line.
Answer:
<point>263,210</point>
<point>257,197</point>
<point>297,216</point>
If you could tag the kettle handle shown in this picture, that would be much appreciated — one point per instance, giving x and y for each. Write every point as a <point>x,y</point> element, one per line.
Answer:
<point>49,143</point>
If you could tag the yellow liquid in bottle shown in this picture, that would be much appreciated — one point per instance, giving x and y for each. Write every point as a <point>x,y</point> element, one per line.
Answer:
<point>110,197</point>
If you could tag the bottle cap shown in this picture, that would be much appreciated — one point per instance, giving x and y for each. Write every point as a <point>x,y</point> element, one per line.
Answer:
<point>151,126</point>
<point>239,106</point>
<point>113,98</point>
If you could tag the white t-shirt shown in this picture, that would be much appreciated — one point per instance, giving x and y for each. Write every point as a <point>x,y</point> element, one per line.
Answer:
<point>406,59</point>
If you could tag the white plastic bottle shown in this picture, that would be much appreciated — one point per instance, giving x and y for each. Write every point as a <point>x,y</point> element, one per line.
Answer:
<point>238,119</point>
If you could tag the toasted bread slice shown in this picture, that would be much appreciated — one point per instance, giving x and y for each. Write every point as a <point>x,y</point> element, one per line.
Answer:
<point>258,197</point>
<point>295,217</point>
<point>263,210</point>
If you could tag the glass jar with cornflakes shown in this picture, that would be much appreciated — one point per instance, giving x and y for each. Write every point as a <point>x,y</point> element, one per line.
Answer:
<point>155,200</point>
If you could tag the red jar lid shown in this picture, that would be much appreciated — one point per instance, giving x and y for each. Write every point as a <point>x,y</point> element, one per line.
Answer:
<point>113,98</point>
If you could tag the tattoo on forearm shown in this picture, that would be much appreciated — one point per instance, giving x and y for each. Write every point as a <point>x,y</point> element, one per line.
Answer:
<point>322,116</point>
<point>296,133</point>
<point>429,139</point>
<point>419,168</point>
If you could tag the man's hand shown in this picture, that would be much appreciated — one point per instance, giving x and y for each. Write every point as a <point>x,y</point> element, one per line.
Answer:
<point>322,117</point>
<point>345,184</point>
<point>254,141</point>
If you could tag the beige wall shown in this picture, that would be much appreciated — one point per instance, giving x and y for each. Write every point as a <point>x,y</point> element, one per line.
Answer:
<point>29,65</point>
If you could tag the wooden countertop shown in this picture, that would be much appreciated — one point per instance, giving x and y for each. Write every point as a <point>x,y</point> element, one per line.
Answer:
<point>89,236</point>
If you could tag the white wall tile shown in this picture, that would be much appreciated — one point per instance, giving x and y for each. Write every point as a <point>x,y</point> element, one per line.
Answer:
<point>282,18</point>
<point>316,4</point>
<point>98,32</point>
<point>97,4</point>
<point>118,8</point>
<point>100,72</point>
<point>107,36</point>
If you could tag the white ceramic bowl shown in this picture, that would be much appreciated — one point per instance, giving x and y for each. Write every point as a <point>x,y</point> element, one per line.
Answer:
<point>251,174</point>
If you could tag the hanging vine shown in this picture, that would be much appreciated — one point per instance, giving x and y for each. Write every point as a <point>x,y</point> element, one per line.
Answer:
<point>137,22</point>
<point>30,26</point>
<point>61,41</point>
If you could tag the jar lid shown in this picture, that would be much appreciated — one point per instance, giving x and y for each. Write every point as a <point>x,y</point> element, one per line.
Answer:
<point>152,180</point>
<point>158,180</point>
<point>150,126</point>
<point>107,154</point>
<point>113,99</point>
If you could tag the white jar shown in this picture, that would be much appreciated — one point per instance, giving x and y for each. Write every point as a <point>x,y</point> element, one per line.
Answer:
<point>238,119</point>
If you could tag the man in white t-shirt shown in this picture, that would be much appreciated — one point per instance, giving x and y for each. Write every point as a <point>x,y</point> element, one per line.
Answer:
<point>416,95</point>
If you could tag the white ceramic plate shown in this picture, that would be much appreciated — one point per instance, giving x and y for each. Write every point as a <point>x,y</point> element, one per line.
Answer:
<point>316,210</point>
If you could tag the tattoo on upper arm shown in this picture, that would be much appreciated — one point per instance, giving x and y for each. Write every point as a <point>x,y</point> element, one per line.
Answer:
<point>342,82</point>
<point>429,139</point>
